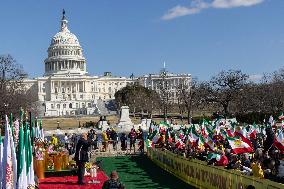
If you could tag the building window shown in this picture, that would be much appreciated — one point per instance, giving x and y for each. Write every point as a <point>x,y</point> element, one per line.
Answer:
<point>81,96</point>
<point>77,105</point>
<point>89,105</point>
<point>58,106</point>
<point>83,105</point>
<point>70,105</point>
<point>74,96</point>
<point>52,106</point>
<point>64,105</point>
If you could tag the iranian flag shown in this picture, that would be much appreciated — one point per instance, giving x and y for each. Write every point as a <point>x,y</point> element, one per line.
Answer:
<point>279,142</point>
<point>252,132</point>
<point>209,141</point>
<point>9,164</point>
<point>194,135</point>
<point>149,143</point>
<point>169,137</point>
<point>179,144</point>
<point>239,146</point>
<point>22,168</point>
<point>201,142</point>
<point>244,139</point>
<point>29,159</point>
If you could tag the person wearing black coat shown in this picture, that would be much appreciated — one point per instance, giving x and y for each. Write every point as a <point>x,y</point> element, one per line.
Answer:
<point>81,155</point>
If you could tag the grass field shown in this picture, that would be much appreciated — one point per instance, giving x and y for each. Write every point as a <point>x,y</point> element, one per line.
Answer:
<point>141,173</point>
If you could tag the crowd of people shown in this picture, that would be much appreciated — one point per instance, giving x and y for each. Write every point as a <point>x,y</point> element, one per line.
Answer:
<point>110,136</point>
<point>258,151</point>
<point>106,141</point>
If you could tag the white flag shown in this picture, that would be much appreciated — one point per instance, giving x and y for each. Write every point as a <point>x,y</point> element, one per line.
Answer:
<point>7,163</point>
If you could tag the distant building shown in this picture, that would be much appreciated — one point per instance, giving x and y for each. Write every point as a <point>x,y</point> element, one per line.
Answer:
<point>166,84</point>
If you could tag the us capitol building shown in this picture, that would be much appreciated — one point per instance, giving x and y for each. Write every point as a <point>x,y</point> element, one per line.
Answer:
<point>66,87</point>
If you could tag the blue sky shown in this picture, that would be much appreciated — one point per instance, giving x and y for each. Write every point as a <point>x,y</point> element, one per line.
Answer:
<point>201,37</point>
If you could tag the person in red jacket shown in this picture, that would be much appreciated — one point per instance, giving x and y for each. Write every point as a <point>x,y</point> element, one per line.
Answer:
<point>223,160</point>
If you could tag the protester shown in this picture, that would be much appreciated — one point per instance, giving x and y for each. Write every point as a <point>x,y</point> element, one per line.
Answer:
<point>114,138</point>
<point>113,182</point>
<point>132,138</point>
<point>66,141</point>
<point>81,156</point>
<point>54,140</point>
<point>123,140</point>
<point>105,139</point>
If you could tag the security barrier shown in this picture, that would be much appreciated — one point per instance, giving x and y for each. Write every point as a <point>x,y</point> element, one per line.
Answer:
<point>201,175</point>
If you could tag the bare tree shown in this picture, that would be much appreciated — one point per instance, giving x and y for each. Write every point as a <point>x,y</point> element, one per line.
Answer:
<point>226,87</point>
<point>13,93</point>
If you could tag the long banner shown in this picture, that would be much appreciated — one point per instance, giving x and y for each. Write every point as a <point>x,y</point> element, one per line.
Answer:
<point>201,175</point>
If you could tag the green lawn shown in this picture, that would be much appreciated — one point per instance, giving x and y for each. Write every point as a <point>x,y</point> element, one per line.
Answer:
<point>140,172</point>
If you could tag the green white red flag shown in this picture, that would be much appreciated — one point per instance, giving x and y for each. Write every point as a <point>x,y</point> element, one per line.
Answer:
<point>279,142</point>
<point>238,146</point>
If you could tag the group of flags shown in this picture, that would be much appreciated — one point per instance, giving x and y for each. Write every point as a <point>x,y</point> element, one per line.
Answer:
<point>16,153</point>
<point>212,134</point>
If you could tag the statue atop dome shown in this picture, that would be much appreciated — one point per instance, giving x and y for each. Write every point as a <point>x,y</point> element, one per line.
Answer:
<point>64,22</point>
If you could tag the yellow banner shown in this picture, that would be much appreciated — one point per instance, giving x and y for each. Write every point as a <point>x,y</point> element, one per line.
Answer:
<point>201,175</point>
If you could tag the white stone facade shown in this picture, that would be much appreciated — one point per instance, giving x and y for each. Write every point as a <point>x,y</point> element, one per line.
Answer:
<point>66,88</point>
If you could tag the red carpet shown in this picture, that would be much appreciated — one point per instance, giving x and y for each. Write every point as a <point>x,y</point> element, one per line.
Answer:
<point>70,182</point>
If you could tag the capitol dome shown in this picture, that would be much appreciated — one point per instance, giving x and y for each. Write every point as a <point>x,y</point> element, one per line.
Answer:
<point>65,55</point>
<point>64,38</point>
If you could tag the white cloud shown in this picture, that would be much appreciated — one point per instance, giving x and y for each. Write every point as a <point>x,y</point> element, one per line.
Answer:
<point>234,3</point>
<point>180,11</point>
<point>198,5</point>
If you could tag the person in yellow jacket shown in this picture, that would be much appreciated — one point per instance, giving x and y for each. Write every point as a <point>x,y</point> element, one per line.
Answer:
<point>54,140</point>
<point>105,141</point>
<point>257,170</point>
